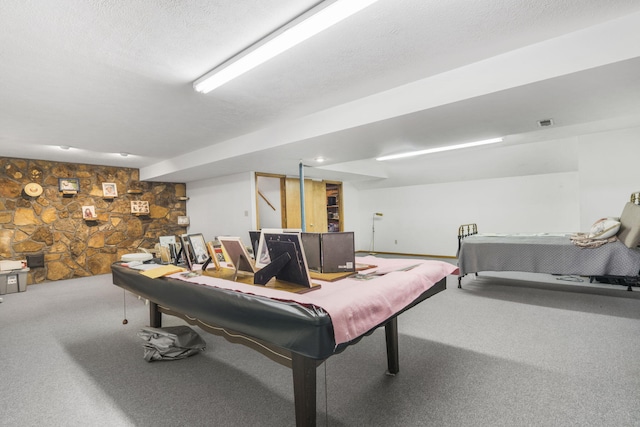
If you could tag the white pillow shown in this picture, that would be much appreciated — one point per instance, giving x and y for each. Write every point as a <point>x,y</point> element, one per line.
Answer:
<point>604,228</point>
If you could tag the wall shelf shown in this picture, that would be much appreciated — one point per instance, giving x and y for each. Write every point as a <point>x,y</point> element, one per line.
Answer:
<point>334,206</point>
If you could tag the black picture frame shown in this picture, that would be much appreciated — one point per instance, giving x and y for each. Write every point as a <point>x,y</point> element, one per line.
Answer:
<point>68,185</point>
<point>186,252</point>
<point>199,248</point>
<point>287,253</point>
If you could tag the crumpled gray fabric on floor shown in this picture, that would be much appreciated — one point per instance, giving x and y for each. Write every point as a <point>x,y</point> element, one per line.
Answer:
<point>171,343</point>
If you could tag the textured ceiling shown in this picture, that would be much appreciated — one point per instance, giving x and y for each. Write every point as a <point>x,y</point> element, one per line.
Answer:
<point>106,77</point>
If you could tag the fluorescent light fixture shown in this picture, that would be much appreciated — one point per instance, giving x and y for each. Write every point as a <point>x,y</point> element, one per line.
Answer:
<point>439,149</point>
<point>286,39</point>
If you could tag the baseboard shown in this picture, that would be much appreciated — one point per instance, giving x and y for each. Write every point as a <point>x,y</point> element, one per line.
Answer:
<point>406,254</point>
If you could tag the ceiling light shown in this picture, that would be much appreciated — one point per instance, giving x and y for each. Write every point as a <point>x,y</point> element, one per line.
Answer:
<point>319,159</point>
<point>124,154</point>
<point>285,38</point>
<point>64,147</point>
<point>440,149</point>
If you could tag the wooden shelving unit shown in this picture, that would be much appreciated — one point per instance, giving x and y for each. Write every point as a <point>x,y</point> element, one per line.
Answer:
<point>334,207</point>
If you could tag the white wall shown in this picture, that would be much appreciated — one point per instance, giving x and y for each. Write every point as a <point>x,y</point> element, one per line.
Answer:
<point>609,173</point>
<point>222,206</point>
<point>270,214</point>
<point>424,219</point>
<point>350,208</point>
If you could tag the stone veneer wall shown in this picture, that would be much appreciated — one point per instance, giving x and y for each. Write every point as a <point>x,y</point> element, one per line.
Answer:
<point>52,223</point>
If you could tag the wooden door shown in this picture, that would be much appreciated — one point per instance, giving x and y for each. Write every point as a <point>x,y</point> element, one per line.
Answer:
<point>315,205</point>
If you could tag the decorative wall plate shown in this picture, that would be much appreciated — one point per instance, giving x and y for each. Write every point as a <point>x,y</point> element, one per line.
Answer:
<point>33,189</point>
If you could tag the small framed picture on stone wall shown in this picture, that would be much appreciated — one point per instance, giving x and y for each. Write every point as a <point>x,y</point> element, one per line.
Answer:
<point>139,207</point>
<point>68,185</point>
<point>89,212</point>
<point>109,189</point>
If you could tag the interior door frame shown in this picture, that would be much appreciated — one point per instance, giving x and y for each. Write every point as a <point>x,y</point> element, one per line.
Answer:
<point>283,198</point>
<point>283,201</point>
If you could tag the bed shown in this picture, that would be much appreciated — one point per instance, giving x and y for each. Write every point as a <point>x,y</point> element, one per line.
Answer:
<point>617,261</point>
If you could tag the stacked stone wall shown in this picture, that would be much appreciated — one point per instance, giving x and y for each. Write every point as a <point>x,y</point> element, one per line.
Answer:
<point>52,223</point>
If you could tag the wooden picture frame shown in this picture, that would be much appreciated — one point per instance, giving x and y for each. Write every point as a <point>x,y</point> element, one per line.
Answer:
<point>215,254</point>
<point>109,189</point>
<point>237,254</point>
<point>68,185</point>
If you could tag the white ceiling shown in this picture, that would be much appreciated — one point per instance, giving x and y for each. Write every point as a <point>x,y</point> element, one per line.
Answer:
<point>105,77</point>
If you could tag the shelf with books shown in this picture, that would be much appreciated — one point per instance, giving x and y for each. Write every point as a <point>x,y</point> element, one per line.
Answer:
<point>334,206</point>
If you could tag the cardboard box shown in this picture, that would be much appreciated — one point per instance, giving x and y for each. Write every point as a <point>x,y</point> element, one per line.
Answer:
<point>330,252</point>
<point>13,281</point>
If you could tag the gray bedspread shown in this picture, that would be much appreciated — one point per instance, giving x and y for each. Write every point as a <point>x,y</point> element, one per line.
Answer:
<point>545,254</point>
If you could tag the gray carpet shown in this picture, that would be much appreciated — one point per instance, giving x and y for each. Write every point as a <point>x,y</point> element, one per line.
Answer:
<point>499,352</point>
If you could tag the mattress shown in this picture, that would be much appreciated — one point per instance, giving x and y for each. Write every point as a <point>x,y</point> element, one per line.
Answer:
<point>553,254</point>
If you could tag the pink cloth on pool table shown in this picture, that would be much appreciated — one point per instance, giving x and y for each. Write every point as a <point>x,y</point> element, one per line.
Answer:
<point>356,306</point>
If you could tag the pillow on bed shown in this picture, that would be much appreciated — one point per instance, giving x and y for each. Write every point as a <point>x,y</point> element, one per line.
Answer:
<point>604,228</point>
<point>629,233</point>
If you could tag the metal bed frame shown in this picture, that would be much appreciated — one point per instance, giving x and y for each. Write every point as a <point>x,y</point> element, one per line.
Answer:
<point>466,230</point>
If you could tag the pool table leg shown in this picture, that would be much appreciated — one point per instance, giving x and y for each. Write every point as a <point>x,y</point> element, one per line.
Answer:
<point>391,335</point>
<point>304,389</point>
<point>155,317</point>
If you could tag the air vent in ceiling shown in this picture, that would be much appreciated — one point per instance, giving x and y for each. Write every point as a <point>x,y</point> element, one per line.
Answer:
<point>545,123</point>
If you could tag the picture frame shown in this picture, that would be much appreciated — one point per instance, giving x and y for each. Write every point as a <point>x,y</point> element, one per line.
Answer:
<point>167,248</point>
<point>199,248</point>
<point>183,220</point>
<point>68,185</point>
<point>296,270</point>
<point>186,251</point>
<point>262,253</point>
<point>166,241</point>
<point>215,254</point>
<point>109,189</point>
<point>140,207</point>
<point>89,213</point>
<point>237,254</point>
